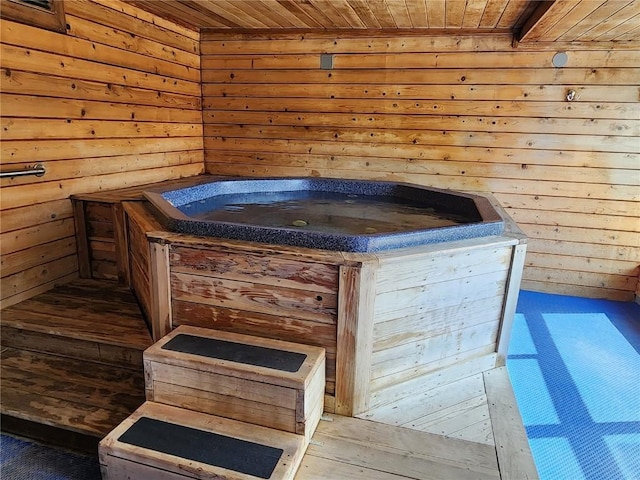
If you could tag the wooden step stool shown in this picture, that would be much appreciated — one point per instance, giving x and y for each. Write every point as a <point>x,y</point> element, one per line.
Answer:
<point>162,442</point>
<point>265,382</point>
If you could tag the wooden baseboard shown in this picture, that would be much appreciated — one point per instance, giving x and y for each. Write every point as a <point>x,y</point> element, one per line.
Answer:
<point>50,435</point>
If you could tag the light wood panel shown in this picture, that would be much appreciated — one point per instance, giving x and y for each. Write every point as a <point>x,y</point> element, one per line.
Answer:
<point>479,409</point>
<point>586,20</point>
<point>512,446</point>
<point>542,76</point>
<point>471,115</point>
<point>456,410</point>
<point>386,14</point>
<point>424,335</point>
<point>125,460</point>
<point>138,255</point>
<point>593,21</point>
<point>353,448</point>
<point>113,102</point>
<point>245,390</point>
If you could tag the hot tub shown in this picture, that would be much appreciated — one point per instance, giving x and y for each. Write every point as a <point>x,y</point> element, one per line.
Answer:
<point>398,312</point>
<point>328,214</point>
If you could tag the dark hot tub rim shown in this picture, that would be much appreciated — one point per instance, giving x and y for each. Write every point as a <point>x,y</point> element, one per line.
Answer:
<point>165,202</point>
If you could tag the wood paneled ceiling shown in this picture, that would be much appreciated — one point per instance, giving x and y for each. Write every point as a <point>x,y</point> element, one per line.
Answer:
<point>534,21</point>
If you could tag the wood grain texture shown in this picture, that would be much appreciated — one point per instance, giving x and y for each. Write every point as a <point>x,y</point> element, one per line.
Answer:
<point>566,19</point>
<point>119,76</point>
<point>455,410</point>
<point>137,254</point>
<point>254,297</point>
<point>240,287</point>
<point>435,113</point>
<point>111,451</point>
<point>386,452</point>
<point>378,325</point>
<point>161,314</point>
<point>355,339</point>
<point>319,278</point>
<point>269,326</point>
<point>72,360</point>
<point>283,400</point>
<point>92,311</point>
<point>479,409</point>
<point>512,446</point>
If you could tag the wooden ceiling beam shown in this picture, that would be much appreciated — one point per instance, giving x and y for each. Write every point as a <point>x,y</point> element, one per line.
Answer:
<point>354,32</point>
<point>535,20</point>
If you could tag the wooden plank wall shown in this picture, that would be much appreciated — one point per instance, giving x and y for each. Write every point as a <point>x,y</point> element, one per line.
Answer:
<point>467,113</point>
<point>423,331</point>
<point>115,102</point>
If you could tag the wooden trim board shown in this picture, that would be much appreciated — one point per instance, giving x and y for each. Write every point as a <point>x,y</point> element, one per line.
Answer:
<point>512,445</point>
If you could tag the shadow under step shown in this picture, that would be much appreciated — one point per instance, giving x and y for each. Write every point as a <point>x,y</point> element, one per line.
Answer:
<point>94,320</point>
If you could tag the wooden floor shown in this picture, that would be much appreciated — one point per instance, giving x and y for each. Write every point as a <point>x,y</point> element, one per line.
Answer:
<point>471,429</point>
<point>457,410</point>
<point>103,315</point>
<point>352,448</point>
<point>71,359</point>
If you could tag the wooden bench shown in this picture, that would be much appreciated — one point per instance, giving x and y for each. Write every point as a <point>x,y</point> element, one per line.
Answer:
<point>113,247</point>
<point>101,232</point>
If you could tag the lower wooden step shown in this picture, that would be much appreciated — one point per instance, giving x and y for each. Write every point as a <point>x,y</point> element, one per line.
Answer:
<point>92,320</point>
<point>67,394</point>
<point>164,442</point>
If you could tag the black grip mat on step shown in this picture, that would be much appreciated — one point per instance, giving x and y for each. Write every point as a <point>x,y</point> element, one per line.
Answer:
<point>236,352</point>
<point>205,447</point>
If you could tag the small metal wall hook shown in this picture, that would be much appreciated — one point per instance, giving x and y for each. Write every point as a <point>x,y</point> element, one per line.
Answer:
<point>571,95</point>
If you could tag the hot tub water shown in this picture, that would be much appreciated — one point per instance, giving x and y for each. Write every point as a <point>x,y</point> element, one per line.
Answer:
<point>327,212</point>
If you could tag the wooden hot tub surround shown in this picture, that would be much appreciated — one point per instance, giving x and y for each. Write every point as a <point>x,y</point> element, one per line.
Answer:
<point>391,322</point>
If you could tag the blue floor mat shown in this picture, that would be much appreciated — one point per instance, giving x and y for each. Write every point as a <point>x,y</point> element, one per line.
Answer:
<point>575,368</point>
<point>24,460</point>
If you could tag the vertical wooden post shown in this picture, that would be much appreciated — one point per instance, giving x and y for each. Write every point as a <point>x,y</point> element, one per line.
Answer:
<point>510,302</point>
<point>159,275</point>
<point>122,243</point>
<point>82,242</point>
<point>356,298</point>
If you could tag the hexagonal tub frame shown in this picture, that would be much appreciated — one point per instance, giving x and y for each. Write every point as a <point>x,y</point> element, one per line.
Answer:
<point>392,322</point>
<point>170,204</point>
